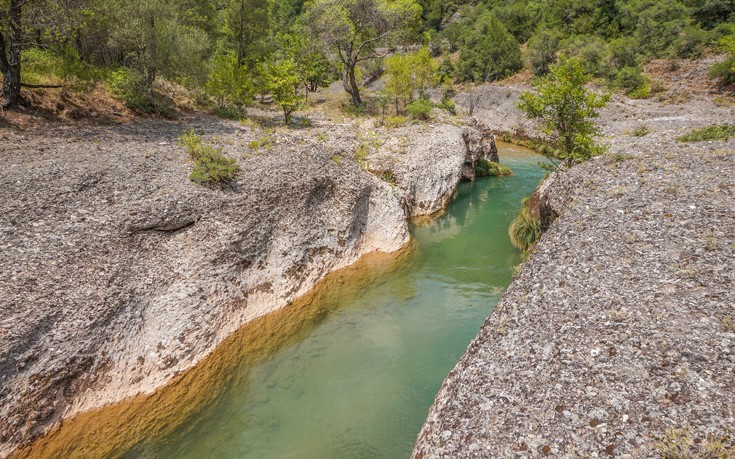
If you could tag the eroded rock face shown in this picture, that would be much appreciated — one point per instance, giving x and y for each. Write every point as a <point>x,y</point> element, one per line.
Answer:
<point>427,168</point>
<point>479,143</point>
<point>618,330</point>
<point>117,272</point>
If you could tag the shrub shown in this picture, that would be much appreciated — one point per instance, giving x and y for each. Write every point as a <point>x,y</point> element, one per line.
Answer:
<point>389,177</point>
<point>420,109</point>
<point>130,87</point>
<point>691,43</point>
<point>211,167</point>
<point>641,131</point>
<point>409,74</point>
<point>632,81</point>
<point>590,49</point>
<point>487,168</point>
<point>725,71</point>
<point>490,52</point>
<point>721,132</point>
<point>622,53</point>
<point>214,168</point>
<point>541,50</point>
<point>448,105</point>
<point>229,112</point>
<point>392,122</point>
<point>525,230</point>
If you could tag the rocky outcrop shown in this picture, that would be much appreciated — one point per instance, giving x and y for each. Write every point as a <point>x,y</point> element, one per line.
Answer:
<point>118,272</point>
<point>617,336</point>
<point>479,144</point>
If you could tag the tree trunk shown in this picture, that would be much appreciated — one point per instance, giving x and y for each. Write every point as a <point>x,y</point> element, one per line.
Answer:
<point>349,83</point>
<point>10,57</point>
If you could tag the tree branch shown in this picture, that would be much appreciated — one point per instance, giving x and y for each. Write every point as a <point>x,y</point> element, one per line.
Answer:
<point>41,86</point>
<point>372,40</point>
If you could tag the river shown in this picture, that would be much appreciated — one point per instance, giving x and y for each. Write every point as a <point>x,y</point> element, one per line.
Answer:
<point>351,371</point>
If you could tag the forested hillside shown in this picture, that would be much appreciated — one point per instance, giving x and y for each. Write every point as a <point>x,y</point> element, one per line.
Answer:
<point>227,51</point>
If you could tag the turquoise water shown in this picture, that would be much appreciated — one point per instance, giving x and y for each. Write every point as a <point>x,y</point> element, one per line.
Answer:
<point>359,383</point>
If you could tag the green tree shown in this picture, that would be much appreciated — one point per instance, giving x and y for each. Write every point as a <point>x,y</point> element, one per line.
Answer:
<point>229,83</point>
<point>283,81</point>
<point>247,27</point>
<point>408,75</point>
<point>354,30</point>
<point>541,50</point>
<point>490,53</point>
<point>566,109</point>
<point>159,37</point>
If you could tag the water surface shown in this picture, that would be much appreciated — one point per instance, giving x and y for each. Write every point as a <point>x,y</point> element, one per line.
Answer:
<point>360,382</point>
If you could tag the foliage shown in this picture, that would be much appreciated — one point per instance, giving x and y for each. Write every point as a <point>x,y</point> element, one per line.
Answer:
<point>445,71</point>
<point>591,50</point>
<point>565,109</point>
<point>490,53</point>
<point>211,167</point>
<point>357,29</point>
<point>725,70</point>
<point>632,81</point>
<point>229,83</point>
<point>721,132</point>
<point>487,168</point>
<point>408,75</point>
<point>130,87</point>
<point>393,122</point>
<point>389,177</point>
<point>246,30</point>
<point>541,50</point>
<point>214,168</point>
<point>641,131</point>
<point>524,230</point>
<point>448,105</point>
<point>420,109</point>
<point>157,39</point>
<point>283,82</point>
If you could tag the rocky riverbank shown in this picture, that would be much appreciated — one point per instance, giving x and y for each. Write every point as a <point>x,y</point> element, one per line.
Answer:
<point>118,273</point>
<point>617,338</point>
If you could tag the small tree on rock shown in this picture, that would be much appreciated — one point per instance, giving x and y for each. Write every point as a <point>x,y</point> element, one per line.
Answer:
<point>565,109</point>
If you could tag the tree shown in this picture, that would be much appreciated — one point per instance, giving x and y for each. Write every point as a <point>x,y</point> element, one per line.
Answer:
<point>159,37</point>
<point>355,31</point>
<point>229,83</point>
<point>283,82</point>
<point>247,24</point>
<point>541,50</point>
<point>10,52</point>
<point>490,53</point>
<point>565,109</point>
<point>408,75</point>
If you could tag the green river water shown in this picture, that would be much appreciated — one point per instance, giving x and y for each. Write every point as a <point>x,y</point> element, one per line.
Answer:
<point>359,381</point>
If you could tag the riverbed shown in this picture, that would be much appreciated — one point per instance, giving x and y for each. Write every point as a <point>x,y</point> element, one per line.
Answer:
<point>350,373</point>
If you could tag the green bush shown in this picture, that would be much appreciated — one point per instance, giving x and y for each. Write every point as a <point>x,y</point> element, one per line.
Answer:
<point>622,53</point>
<point>691,43</point>
<point>392,122</point>
<point>590,49</point>
<point>490,53</point>
<point>129,86</point>
<point>541,50</point>
<point>525,230</point>
<point>487,168</point>
<point>420,109</point>
<point>448,105</point>
<point>632,81</point>
<point>213,168</point>
<point>724,71</point>
<point>721,132</point>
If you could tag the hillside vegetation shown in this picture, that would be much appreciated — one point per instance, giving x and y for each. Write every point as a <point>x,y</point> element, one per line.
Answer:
<point>228,52</point>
